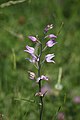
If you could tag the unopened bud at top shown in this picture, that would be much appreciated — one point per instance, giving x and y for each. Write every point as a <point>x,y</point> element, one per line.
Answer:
<point>48,27</point>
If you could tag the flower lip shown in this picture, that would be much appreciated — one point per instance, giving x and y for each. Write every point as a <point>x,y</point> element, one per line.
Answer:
<point>51,43</point>
<point>29,49</point>
<point>43,77</point>
<point>34,39</point>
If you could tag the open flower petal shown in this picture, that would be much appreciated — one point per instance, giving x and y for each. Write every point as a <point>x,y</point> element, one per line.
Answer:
<point>49,58</point>
<point>29,49</point>
<point>43,77</point>
<point>32,38</point>
<point>34,58</point>
<point>52,36</point>
<point>51,43</point>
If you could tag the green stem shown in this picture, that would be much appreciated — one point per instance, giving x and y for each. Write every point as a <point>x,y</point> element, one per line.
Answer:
<point>39,74</point>
<point>41,109</point>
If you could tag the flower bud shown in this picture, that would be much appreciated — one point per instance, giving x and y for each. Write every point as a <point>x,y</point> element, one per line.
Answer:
<point>48,27</point>
<point>32,38</point>
<point>51,43</point>
<point>31,75</point>
<point>39,94</point>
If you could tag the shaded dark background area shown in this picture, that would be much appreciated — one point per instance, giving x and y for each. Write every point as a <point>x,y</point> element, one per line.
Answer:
<point>19,21</point>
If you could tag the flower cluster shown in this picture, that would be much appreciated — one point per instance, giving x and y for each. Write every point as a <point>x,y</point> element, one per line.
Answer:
<point>36,58</point>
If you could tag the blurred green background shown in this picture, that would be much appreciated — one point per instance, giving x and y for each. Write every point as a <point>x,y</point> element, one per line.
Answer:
<point>30,18</point>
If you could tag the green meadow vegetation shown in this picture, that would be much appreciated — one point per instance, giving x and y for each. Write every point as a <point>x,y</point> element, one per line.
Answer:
<point>17,91</point>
